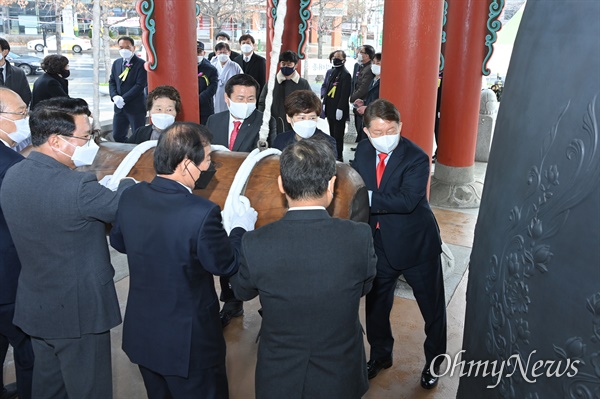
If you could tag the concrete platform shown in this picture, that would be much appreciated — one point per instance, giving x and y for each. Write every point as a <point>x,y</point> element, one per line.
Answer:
<point>400,381</point>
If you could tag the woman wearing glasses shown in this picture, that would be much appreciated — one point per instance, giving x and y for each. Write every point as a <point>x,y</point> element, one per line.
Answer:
<point>54,82</point>
<point>302,108</point>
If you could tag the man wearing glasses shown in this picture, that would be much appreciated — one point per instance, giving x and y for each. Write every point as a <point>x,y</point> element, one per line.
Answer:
<point>12,129</point>
<point>57,217</point>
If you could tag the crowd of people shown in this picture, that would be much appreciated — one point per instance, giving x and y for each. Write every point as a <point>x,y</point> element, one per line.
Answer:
<point>57,297</point>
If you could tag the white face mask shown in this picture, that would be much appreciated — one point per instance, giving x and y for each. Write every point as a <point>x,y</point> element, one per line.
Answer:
<point>22,131</point>
<point>246,48</point>
<point>162,121</point>
<point>126,54</point>
<point>305,129</point>
<point>83,155</point>
<point>241,110</point>
<point>386,143</point>
<point>200,58</point>
<point>222,57</point>
<point>376,69</point>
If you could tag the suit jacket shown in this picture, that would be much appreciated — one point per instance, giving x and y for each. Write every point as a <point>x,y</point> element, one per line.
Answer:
<point>57,218</point>
<point>9,260</point>
<point>362,80</point>
<point>373,93</point>
<point>284,139</point>
<point>207,87</point>
<point>247,137</point>
<point>174,242</point>
<point>340,79</point>
<point>17,82</point>
<point>141,134</point>
<point>256,67</point>
<point>132,89</point>
<point>409,231</point>
<point>49,86</point>
<point>311,340</point>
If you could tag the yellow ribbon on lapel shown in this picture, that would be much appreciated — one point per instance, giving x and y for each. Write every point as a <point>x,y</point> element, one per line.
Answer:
<point>124,74</point>
<point>332,92</point>
<point>206,79</point>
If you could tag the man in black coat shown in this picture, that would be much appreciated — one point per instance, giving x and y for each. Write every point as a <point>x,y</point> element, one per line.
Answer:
<point>208,81</point>
<point>128,80</point>
<point>361,81</point>
<point>406,236</point>
<point>310,271</point>
<point>175,242</point>
<point>335,102</point>
<point>252,63</point>
<point>12,77</point>
<point>13,108</point>
<point>223,37</point>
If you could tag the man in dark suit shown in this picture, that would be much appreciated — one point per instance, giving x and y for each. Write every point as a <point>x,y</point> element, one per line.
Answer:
<point>361,81</point>
<point>128,80</point>
<point>335,102</point>
<point>208,81</point>
<point>175,243</point>
<point>66,299</point>
<point>406,236</point>
<point>12,77</point>
<point>238,128</point>
<point>12,109</point>
<point>311,271</point>
<point>252,63</point>
<point>223,37</point>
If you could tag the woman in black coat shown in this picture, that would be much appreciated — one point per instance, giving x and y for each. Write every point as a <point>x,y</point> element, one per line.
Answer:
<point>54,82</point>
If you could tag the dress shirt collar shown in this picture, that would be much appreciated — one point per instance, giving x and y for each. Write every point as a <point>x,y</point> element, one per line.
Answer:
<point>306,208</point>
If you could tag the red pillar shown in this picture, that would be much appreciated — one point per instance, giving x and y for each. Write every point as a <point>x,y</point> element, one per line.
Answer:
<point>459,113</point>
<point>175,45</point>
<point>409,72</point>
<point>290,40</point>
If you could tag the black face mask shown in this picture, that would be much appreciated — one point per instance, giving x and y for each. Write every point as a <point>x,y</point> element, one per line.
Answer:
<point>205,177</point>
<point>337,62</point>
<point>66,73</point>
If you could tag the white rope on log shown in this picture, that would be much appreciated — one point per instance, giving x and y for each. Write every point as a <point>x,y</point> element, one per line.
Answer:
<point>275,50</point>
<point>235,203</point>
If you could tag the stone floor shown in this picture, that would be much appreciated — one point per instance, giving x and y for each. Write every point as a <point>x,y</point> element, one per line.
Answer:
<point>400,381</point>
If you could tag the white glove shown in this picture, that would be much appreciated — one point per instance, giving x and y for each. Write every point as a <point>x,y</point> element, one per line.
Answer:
<point>119,102</point>
<point>245,217</point>
<point>323,107</point>
<point>339,114</point>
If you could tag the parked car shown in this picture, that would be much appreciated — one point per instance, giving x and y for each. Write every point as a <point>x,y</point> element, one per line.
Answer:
<point>75,44</point>
<point>29,64</point>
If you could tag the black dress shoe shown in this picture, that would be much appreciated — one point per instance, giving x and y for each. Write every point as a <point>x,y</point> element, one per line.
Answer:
<point>428,380</point>
<point>9,391</point>
<point>229,313</point>
<point>375,366</point>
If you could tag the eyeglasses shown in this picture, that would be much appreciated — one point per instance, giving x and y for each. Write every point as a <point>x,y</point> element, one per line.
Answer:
<point>93,135</point>
<point>23,114</point>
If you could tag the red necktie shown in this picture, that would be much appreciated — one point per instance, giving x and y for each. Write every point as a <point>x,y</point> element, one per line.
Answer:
<point>234,133</point>
<point>380,167</point>
<point>379,172</point>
